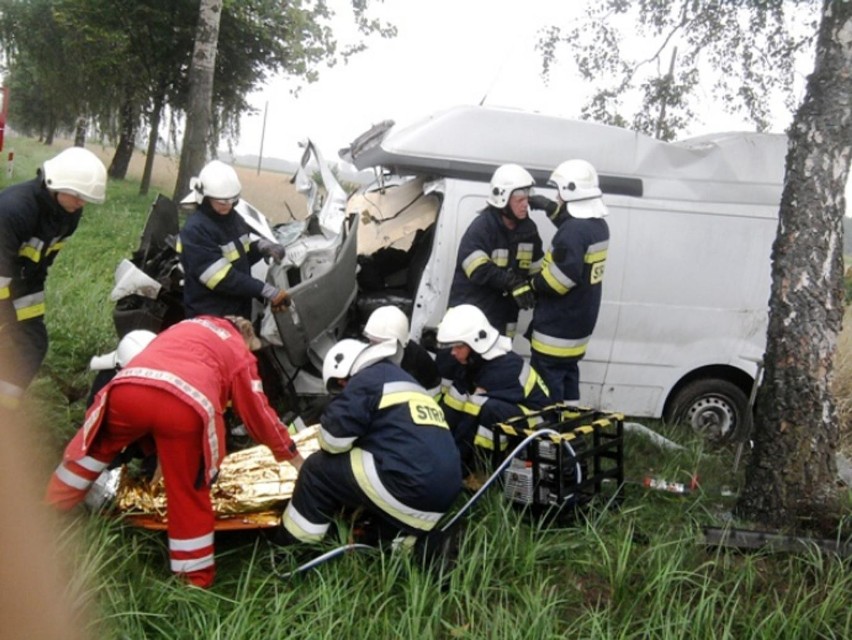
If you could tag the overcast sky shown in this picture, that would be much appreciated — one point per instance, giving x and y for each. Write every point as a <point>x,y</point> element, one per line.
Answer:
<point>446,53</point>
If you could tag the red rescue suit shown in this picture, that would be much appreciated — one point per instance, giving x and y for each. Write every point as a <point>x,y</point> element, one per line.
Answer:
<point>176,391</point>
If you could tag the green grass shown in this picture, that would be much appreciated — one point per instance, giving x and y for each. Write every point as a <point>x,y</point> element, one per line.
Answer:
<point>635,571</point>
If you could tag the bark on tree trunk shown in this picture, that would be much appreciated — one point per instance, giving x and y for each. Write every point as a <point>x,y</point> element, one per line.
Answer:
<point>792,471</point>
<point>194,150</point>
<point>126,141</point>
<point>153,136</point>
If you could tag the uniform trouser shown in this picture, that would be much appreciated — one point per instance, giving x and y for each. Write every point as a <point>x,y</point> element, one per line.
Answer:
<point>135,411</point>
<point>561,375</point>
<point>470,431</point>
<point>327,484</point>
<point>23,346</point>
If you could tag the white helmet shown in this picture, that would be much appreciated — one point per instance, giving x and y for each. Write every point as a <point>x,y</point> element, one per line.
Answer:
<point>216,180</point>
<point>340,358</point>
<point>467,324</point>
<point>128,348</point>
<point>577,182</point>
<point>77,171</point>
<point>387,323</point>
<point>505,180</point>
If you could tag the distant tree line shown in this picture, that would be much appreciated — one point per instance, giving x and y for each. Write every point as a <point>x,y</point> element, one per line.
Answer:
<point>122,67</point>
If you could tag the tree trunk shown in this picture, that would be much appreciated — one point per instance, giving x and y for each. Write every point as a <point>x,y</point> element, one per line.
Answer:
<point>129,125</point>
<point>153,136</point>
<point>80,132</point>
<point>792,471</point>
<point>194,150</point>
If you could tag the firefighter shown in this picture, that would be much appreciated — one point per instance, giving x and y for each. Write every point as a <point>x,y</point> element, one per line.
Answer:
<point>217,250</point>
<point>35,219</point>
<point>389,323</point>
<point>385,447</point>
<point>568,289</point>
<point>499,252</point>
<point>176,390</point>
<point>491,383</point>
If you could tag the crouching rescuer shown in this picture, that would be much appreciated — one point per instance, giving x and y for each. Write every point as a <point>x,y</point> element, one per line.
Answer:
<point>385,447</point>
<point>176,390</point>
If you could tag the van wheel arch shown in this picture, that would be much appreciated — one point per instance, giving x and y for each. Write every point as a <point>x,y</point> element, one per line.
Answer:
<point>717,407</point>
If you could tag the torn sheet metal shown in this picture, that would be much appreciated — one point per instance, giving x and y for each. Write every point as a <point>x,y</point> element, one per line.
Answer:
<point>250,483</point>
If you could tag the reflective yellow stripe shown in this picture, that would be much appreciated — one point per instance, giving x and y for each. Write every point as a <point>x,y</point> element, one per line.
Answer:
<point>230,252</point>
<point>55,247</point>
<point>29,306</point>
<point>179,246</point>
<point>500,257</point>
<point>558,347</point>
<point>5,293</point>
<point>214,274</point>
<point>367,477</point>
<point>474,261</point>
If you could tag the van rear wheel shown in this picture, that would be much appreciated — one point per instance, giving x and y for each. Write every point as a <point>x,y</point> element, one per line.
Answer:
<point>717,409</point>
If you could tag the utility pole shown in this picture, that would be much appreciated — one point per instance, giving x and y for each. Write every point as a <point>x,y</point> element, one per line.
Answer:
<point>262,136</point>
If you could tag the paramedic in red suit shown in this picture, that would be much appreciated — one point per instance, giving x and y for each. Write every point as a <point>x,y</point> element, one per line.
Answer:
<point>176,390</point>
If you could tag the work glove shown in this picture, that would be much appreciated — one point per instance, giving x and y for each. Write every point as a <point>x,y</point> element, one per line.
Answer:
<point>271,249</point>
<point>521,290</point>
<point>280,300</point>
<point>544,204</point>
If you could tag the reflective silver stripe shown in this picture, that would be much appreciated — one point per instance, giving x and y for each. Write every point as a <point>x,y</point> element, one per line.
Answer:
<point>190,392</point>
<point>32,249</point>
<point>500,257</point>
<point>535,267</point>
<point>5,282</point>
<point>597,247</point>
<point>401,385</point>
<point>229,251</point>
<point>557,280</point>
<point>559,347</point>
<point>246,240</point>
<point>213,274</point>
<point>302,528</point>
<point>29,300</point>
<point>334,444</point>
<point>194,564</point>
<point>367,476</point>
<point>90,464</point>
<point>72,479</point>
<point>191,544</point>
<point>473,261</point>
<point>257,386</point>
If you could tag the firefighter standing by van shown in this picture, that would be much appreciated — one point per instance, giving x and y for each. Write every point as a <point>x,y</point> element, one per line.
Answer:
<point>35,219</point>
<point>499,252</point>
<point>385,447</point>
<point>569,287</point>
<point>491,384</point>
<point>176,390</point>
<point>217,250</point>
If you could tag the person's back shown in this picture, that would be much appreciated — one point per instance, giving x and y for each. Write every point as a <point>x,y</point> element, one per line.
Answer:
<point>398,422</point>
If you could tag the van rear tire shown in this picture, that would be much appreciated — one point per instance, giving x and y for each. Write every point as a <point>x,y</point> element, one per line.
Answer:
<point>717,409</point>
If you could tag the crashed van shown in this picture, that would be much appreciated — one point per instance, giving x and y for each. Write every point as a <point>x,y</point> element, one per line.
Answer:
<point>682,327</point>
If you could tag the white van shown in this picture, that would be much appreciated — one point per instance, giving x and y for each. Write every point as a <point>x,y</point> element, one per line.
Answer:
<point>683,321</point>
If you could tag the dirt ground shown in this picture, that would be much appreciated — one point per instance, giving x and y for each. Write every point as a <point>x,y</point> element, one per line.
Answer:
<point>269,191</point>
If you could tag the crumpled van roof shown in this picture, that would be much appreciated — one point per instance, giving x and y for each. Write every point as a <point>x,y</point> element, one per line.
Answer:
<point>471,141</point>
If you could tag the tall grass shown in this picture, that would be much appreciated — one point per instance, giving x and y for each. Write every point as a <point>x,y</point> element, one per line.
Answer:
<point>630,569</point>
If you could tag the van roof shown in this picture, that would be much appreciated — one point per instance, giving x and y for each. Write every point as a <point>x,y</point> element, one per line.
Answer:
<point>471,141</point>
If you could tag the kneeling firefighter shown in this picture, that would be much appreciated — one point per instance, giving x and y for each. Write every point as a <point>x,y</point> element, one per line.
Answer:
<point>385,447</point>
<point>176,390</point>
<point>487,382</point>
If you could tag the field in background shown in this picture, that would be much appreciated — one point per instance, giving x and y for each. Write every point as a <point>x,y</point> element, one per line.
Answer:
<point>269,191</point>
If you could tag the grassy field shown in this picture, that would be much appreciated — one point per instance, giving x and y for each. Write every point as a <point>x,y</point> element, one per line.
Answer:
<point>633,570</point>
